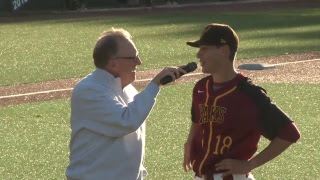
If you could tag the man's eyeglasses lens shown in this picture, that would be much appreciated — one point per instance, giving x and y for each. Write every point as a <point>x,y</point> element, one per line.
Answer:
<point>134,58</point>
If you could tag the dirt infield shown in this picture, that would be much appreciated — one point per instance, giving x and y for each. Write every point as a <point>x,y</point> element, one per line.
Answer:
<point>302,72</point>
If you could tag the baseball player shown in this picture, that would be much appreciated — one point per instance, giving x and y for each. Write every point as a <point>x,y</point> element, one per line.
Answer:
<point>229,115</point>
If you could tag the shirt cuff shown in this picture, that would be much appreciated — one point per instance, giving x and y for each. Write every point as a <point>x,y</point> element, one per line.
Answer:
<point>153,89</point>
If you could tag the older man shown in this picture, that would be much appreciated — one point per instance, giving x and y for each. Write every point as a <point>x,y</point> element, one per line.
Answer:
<point>108,114</point>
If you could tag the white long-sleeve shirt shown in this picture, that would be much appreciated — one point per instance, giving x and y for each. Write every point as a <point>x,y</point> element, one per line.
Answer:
<point>108,128</point>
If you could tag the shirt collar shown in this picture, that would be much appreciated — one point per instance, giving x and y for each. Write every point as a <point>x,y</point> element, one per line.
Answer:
<point>107,78</point>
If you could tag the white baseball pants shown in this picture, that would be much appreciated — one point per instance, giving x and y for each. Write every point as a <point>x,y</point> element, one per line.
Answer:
<point>235,177</point>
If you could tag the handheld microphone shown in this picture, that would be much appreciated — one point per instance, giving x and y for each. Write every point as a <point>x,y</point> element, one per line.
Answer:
<point>189,68</point>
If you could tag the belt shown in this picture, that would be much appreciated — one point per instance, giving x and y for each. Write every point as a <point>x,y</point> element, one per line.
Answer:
<point>208,177</point>
<point>229,177</point>
<point>211,177</point>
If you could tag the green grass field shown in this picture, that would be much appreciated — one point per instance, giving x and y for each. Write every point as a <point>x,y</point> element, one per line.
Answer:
<point>35,136</point>
<point>58,49</point>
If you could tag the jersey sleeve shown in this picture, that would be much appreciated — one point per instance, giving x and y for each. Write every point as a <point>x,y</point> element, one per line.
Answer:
<point>272,120</point>
<point>289,133</point>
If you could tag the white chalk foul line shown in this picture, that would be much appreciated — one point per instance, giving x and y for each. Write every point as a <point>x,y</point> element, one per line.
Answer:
<point>70,89</point>
<point>294,62</point>
<point>261,66</point>
<point>36,93</point>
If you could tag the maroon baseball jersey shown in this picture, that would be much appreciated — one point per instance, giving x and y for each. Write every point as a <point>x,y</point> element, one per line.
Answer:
<point>232,117</point>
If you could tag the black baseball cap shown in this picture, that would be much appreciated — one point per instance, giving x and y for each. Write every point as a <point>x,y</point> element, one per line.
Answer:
<point>217,34</point>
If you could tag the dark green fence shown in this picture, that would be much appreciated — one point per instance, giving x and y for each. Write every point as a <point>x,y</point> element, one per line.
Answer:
<point>45,5</point>
<point>18,5</point>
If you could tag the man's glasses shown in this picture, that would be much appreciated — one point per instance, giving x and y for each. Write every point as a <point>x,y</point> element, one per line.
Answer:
<point>135,59</point>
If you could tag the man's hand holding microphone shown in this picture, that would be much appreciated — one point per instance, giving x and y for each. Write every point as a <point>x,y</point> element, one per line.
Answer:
<point>170,74</point>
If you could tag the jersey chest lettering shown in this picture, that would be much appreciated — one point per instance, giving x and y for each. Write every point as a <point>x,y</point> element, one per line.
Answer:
<point>214,114</point>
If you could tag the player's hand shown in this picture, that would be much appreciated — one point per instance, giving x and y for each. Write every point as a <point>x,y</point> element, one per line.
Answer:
<point>233,166</point>
<point>187,158</point>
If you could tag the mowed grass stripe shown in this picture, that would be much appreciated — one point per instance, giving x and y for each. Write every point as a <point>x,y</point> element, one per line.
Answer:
<point>59,49</point>
<point>35,136</point>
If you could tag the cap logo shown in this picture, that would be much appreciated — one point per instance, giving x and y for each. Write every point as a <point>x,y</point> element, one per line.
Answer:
<point>223,41</point>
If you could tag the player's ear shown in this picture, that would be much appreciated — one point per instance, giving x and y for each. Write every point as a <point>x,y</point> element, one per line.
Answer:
<point>225,50</point>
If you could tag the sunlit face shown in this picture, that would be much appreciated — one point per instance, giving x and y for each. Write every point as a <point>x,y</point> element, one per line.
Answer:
<point>126,62</point>
<point>211,59</point>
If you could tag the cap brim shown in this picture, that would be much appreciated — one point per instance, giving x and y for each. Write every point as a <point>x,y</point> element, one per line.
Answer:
<point>194,43</point>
